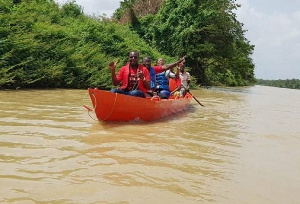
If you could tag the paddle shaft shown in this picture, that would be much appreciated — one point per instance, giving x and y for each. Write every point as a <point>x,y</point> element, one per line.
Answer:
<point>187,90</point>
<point>196,99</point>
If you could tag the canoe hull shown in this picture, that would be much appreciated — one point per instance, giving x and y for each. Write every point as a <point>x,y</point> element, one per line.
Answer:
<point>119,107</point>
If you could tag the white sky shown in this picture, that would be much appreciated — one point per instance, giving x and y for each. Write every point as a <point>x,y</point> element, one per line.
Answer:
<point>273,26</point>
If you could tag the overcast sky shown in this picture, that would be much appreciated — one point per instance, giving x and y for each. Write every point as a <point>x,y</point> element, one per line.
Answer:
<point>273,26</point>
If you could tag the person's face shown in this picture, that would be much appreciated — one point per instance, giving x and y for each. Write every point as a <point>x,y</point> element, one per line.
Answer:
<point>147,63</point>
<point>133,58</point>
<point>160,62</point>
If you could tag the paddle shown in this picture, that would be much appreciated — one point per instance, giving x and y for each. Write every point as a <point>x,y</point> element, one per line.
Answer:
<point>187,90</point>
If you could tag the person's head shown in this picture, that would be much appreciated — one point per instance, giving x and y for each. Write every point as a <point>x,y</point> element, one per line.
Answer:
<point>147,62</point>
<point>160,61</point>
<point>134,58</point>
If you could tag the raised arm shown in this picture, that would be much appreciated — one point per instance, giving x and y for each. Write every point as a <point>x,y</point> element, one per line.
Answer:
<point>170,66</point>
<point>177,71</point>
<point>112,66</point>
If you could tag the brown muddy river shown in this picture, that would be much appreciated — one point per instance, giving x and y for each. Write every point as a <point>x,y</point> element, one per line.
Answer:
<point>242,147</point>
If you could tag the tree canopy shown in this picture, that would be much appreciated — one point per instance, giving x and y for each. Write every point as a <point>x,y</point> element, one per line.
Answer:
<point>208,32</point>
<point>44,45</point>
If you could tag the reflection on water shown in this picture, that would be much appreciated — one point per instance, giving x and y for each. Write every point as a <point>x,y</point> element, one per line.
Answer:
<point>241,148</point>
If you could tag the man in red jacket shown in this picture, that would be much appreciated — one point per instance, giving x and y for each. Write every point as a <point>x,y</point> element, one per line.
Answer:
<point>135,78</point>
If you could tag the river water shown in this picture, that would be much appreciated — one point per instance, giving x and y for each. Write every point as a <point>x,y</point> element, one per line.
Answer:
<point>242,147</point>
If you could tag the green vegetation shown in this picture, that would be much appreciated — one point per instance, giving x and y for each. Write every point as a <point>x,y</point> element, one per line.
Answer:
<point>45,46</point>
<point>287,83</point>
<point>205,30</point>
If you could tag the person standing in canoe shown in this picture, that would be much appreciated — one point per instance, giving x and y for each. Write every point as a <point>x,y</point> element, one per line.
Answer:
<point>154,70</point>
<point>135,78</point>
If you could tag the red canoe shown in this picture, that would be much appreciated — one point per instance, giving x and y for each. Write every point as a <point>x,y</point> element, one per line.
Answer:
<point>119,107</point>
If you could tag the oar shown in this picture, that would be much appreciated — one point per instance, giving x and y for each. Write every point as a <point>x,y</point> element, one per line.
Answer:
<point>187,90</point>
<point>196,99</point>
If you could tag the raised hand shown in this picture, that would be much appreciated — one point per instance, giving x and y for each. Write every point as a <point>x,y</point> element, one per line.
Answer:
<point>181,61</point>
<point>112,65</point>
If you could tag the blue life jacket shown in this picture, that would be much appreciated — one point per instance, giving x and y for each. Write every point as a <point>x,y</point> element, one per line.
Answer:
<point>152,77</point>
<point>162,82</point>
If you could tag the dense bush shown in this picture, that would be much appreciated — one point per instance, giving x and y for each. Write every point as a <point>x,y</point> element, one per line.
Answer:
<point>43,45</point>
<point>208,33</point>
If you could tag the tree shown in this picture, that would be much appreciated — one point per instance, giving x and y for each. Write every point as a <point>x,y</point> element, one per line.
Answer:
<point>208,33</point>
<point>43,45</point>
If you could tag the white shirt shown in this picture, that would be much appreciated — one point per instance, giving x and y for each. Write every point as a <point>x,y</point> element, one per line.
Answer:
<point>169,74</point>
<point>185,77</point>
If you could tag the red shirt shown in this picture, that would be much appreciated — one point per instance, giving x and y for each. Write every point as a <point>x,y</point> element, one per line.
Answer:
<point>130,84</point>
<point>158,69</point>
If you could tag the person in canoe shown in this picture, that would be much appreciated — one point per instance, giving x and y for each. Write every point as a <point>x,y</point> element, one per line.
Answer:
<point>134,77</point>
<point>156,85</point>
<point>185,80</point>
<point>176,84</point>
<point>168,81</point>
<point>160,62</point>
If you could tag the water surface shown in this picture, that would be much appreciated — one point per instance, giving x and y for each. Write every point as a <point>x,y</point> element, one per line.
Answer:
<point>242,147</point>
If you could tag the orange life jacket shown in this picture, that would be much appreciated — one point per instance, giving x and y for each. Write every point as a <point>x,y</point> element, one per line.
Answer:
<point>174,84</point>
